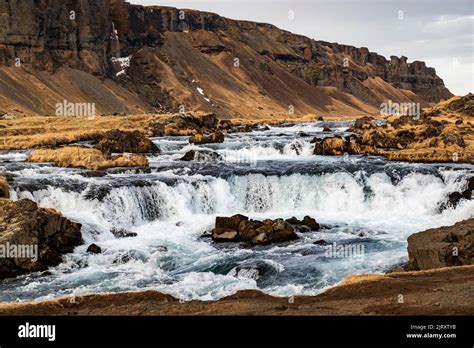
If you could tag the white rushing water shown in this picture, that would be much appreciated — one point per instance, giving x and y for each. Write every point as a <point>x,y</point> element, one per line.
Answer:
<point>264,174</point>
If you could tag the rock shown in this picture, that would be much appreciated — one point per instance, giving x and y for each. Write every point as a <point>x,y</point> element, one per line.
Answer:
<point>307,221</point>
<point>22,223</point>
<point>220,235</point>
<point>318,146</point>
<point>224,125</point>
<point>239,228</point>
<point>311,223</point>
<point>94,249</point>
<point>122,233</point>
<point>454,139</point>
<point>190,123</point>
<point>248,229</point>
<point>4,188</point>
<point>282,232</point>
<point>442,247</point>
<point>326,129</point>
<point>455,197</point>
<point>320,242</point>
<point>363,123</point>
<point>117,141</point>
<point>297,147</point>
<point>201,156</point>
<point>334,146</point>
<point>232,222</point>
<point>200,139</point>
<point>156,128</point>
<point>87,44</point>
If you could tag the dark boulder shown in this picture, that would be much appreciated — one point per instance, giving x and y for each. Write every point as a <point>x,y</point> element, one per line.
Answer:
<point>307,224</point>
<point>232,222</point>
<point>94,249</point>
<point>201,139</point>
<point>118,141</point>
<point>442,247</point>
<point>44,233</point>
<point>201,156</point>
<point>4,188</point>
<point>122,233</point>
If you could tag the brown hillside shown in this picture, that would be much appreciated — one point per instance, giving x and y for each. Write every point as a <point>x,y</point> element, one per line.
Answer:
<point>190,62</point>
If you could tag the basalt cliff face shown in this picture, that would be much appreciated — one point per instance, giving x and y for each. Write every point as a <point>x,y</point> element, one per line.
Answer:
<point>132,59</point>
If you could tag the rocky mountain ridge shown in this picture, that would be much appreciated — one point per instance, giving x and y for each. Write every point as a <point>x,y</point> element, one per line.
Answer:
<point>131,59</point>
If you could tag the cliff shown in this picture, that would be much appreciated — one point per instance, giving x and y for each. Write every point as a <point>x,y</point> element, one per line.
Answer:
<point>131,59</point>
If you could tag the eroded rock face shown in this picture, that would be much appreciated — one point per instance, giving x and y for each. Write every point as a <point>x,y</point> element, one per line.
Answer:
<point>442,247</point>
<point>45,233</point>
<point>49,34</point>
<point>88,35</point>
<point>117,141</point>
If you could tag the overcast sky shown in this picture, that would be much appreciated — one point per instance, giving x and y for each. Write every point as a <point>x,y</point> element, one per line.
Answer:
<point>439,32</point>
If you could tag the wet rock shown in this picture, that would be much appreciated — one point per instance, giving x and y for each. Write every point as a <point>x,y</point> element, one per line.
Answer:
<point>94,249</point>
<point>220,235</point>
<point>161,248</point>
<point>455,197</point>
<point>232,222</point>
<point>239,228</point>
<point>320,242</point>
<point>442,247</point>
<point>201,139</point>
<point>183,124</point>
<point>224,125</point>
<point>122,233</point>
<point>326,129</point>
<point>44,232</point>
<point>93,174</point>
<point>248,229</point>
<point>118,141</point>
<point>201,156</point>
<point>318,146</point>
<point>4,188</point>
<point>303,134</point>
<point>297,147</point>
<point>307,224</point>
<point>282,232</point>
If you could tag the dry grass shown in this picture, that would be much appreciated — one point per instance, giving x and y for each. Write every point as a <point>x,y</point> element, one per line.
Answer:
<point>81,157</point>
<point>37,131</point>
<point>32,132</point>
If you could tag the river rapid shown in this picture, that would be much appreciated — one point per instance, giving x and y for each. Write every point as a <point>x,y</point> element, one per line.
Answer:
<point>269,173</point>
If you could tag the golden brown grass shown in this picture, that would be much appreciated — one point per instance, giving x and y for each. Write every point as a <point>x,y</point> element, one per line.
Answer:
<point>82,157</point>
<point>32,132</point>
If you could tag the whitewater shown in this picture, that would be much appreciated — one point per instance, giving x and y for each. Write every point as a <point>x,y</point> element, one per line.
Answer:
<point>268,173</point>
